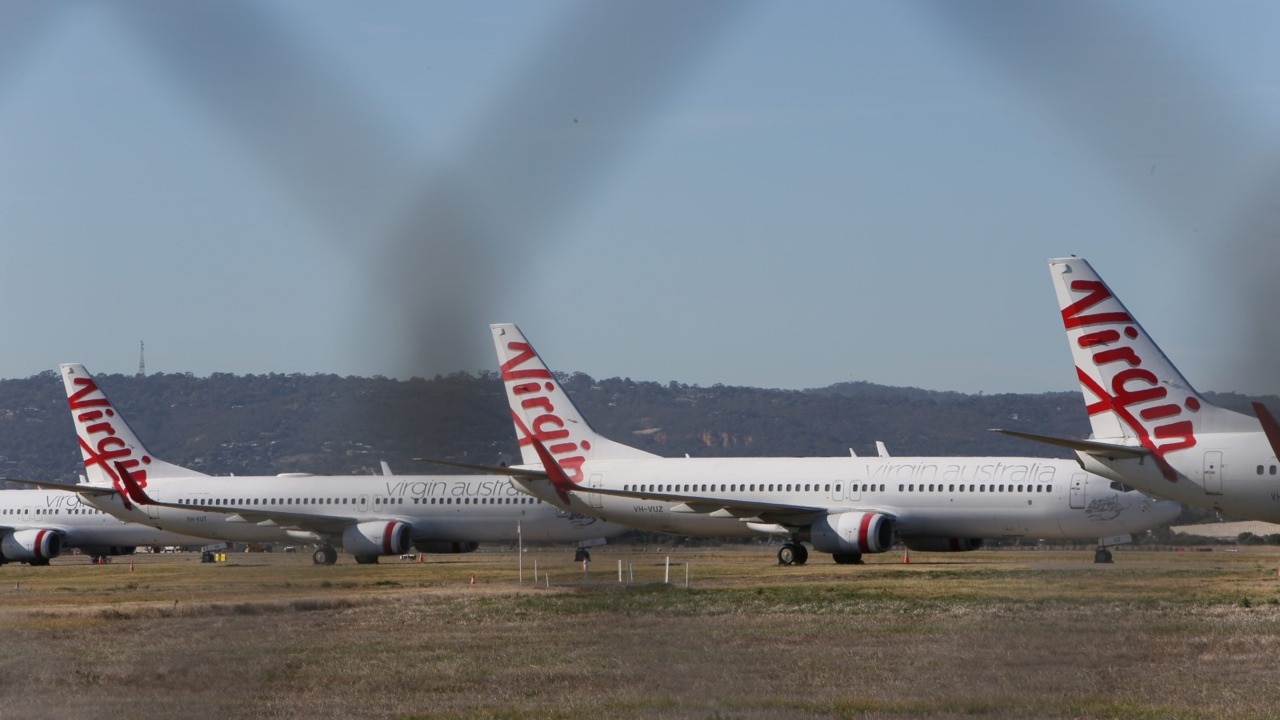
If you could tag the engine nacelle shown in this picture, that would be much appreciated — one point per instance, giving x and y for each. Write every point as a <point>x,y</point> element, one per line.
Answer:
<point>941,544</point>
<point>380,537</point>
<point>443,547</point>
<point>852,532</point>
<point>31,545</point>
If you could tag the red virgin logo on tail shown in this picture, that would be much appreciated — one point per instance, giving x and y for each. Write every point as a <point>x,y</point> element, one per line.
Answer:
<point>1160,424</point>
<point>533,387</point>
<point>97,435</point>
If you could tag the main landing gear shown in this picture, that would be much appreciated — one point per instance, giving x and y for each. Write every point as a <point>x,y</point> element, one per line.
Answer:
<point>1102,555</point>
<point>793,553</point>
<point>324,555</point>
<point>854,558</point>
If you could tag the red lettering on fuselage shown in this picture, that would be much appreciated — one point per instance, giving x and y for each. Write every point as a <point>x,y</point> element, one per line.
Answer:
<point>1132,386</point>
<point>546,424</point>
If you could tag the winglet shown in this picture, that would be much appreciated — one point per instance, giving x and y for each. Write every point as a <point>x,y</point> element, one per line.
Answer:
<point>556,474</point>
<point>1269,426</point>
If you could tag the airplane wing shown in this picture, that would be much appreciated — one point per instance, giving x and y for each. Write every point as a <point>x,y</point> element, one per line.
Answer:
<point>324,524</point>
<point>1092,447</point>
<point>746,510</point>
<point>82,489</point>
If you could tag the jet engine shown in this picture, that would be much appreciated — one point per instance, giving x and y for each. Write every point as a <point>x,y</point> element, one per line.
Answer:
<point>380,537</point>
<point>444,547</point>
<point>852,532</point>
<point>942,544</point>
<point>33,546</point>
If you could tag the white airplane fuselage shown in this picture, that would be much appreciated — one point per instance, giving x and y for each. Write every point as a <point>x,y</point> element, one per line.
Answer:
<point>1234,473</point>
<point>928,497</point>
<point>79,524</point>
<point>440,508</point>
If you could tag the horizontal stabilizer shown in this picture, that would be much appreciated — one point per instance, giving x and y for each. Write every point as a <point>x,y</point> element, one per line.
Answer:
<point>490,469</point>
<point>81,488</point>
<point>1092,447</point>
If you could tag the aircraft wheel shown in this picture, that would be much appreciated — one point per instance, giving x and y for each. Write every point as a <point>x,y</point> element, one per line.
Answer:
<point>787,554</point>
<point>324,556</point>
<point>847,558</point>
<point>1102,555</point>
<point>802,554</point>
<point>366,559</point>
<point>38,562</point>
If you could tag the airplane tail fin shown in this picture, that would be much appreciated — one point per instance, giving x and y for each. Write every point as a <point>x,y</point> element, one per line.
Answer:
<point>106,439</point>
<point>1134,394</point>
<point>540,408</point>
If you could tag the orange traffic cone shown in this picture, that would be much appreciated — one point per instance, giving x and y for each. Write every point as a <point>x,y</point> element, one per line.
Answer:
<point>130,566</point>
<point>906,556</point>
<point>473,578</point>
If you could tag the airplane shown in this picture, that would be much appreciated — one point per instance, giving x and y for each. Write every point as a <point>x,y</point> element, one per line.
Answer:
<point>1151,430</point>
<point>366,515</point>
<point>37,525</point>
<point>845,506</point>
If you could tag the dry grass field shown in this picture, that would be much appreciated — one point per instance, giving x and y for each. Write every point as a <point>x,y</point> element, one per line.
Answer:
<point>991,634</point>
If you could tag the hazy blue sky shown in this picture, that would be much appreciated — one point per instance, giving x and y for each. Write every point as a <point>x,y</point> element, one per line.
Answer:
<point>769,194</point>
